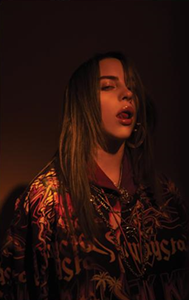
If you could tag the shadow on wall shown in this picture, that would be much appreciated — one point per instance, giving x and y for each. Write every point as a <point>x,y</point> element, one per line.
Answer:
<point>7,211</point>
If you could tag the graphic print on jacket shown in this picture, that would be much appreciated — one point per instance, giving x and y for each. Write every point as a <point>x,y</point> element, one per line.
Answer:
<point>61,266</point>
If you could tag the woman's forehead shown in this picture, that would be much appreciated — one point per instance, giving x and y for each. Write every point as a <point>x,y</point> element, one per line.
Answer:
<point>111,67</point>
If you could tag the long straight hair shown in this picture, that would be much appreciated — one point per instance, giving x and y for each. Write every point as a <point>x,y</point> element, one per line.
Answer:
<point>82,133</point>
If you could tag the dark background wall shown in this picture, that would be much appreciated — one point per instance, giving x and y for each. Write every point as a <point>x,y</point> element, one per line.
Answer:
<point>42,42</point>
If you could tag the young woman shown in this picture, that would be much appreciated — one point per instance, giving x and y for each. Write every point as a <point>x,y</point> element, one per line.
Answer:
<point>98,222</point>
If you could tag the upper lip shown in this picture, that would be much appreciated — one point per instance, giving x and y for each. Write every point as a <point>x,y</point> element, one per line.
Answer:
<point>128,109</point>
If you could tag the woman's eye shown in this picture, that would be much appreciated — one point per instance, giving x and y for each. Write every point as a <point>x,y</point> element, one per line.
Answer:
<point>107,87</point>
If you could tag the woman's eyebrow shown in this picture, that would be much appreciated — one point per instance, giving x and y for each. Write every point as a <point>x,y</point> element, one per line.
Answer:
<point>109,77</point>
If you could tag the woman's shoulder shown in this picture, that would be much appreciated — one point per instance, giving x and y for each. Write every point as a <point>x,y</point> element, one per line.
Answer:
<point>47,178</point>
<point>164,186</point>
<point>167,192</point>
<point>173,198</point>
<point>169,187</point>
<point>43,188</point>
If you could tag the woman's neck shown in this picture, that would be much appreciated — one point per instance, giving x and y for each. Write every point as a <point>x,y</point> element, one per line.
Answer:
<point>110,162</point>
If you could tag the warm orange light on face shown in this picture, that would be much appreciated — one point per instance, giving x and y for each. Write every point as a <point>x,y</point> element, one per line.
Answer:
<point>117,104</point>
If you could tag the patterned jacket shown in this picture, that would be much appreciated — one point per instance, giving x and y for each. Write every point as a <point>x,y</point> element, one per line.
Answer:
<point>141,252</point>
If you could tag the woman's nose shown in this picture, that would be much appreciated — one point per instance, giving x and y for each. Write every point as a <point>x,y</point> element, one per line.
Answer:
<point>127,94</point>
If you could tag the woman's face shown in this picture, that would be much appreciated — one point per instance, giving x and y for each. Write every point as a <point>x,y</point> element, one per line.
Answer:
<point>118,107</point>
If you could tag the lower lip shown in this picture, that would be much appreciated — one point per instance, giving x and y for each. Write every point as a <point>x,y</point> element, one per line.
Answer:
<point>125,121</point>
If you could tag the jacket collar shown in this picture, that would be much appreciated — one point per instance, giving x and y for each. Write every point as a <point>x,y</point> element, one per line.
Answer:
<point>102,180</point>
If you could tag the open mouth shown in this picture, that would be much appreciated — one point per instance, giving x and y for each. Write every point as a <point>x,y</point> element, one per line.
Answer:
<point>125,115</point>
